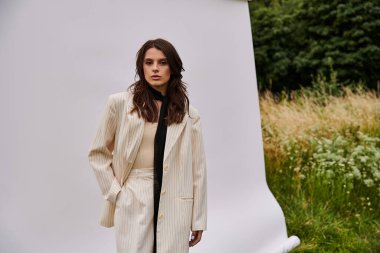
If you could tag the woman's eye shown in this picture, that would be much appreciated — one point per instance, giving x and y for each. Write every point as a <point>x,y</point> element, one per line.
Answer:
<point>163,62</point>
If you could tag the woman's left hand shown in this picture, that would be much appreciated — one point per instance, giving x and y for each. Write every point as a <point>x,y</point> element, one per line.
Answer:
<point>195,237</point>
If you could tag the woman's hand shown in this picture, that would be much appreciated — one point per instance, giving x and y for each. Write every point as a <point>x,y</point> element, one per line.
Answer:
<point>195,237</point>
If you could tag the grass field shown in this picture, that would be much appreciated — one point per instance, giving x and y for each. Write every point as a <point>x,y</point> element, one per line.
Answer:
<point>322,156</point>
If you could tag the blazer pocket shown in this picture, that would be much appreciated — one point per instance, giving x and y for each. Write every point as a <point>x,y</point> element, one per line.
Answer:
<point>186,198</point>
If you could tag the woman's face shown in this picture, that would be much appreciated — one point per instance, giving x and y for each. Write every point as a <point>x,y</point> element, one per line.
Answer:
<point>156,69</point>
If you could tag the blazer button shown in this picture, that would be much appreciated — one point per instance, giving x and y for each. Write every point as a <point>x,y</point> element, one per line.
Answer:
<point>166,168</point>
<point>163,192</point>
<point>161,216</point>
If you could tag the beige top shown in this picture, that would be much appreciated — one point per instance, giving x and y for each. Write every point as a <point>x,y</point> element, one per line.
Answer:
<point>145,154</point>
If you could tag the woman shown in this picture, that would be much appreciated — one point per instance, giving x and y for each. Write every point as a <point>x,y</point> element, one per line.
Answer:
<point>149,160</point>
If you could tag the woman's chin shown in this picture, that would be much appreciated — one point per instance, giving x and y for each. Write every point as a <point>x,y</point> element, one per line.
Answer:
<point>156,84</point>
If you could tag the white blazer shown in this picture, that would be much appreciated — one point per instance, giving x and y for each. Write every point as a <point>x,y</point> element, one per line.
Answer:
<point>112,153</point>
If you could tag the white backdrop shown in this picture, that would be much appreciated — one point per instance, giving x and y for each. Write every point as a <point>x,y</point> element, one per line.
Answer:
<point>59,60</point>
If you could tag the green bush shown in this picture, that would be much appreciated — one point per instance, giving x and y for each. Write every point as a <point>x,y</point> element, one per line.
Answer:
<point>329,189</point>
<point>345,168</point>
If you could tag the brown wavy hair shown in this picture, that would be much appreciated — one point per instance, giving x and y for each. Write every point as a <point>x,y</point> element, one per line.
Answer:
<point>176,91</point>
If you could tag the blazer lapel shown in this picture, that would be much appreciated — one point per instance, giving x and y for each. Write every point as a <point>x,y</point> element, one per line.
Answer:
<point>133,130</point>
<point>172,134</point>
<point>131,137</point>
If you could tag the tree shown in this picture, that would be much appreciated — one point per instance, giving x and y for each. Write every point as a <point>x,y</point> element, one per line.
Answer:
<point>297,39</point>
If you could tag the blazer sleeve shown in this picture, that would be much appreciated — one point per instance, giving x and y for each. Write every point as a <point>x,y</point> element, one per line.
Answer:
<point>100,153</point>
<point>199,219</point>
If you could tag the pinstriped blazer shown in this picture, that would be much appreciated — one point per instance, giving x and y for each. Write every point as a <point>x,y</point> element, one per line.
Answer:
<point>114,148</point>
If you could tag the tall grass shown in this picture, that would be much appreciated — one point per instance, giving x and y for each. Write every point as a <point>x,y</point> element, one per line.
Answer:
<point>322,155</point>
<point>303,116</point>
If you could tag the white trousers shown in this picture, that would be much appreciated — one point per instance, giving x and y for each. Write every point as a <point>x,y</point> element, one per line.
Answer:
<point>134,213</point>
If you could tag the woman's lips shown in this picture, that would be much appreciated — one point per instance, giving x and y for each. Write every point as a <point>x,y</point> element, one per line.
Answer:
<point>155,77</point>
